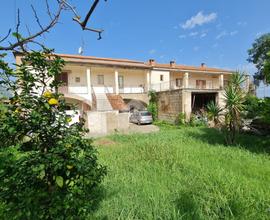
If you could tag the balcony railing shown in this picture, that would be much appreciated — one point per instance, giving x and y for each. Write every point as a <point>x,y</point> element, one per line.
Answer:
<point>73,89</point>
<point>132,89</point>
<point>171,85</point>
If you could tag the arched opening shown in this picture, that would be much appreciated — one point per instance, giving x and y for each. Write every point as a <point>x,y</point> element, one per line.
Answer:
<point>134,104</point>
<point>80,103</point>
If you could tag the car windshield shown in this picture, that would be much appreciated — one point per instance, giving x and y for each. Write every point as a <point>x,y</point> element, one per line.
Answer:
<point>145,113</point>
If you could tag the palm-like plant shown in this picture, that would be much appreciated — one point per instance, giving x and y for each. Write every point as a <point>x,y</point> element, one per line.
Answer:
<point>214,112</point>
<point>234,99</point>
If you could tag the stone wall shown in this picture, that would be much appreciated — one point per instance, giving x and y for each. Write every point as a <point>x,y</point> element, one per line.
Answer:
<point>169,105</point>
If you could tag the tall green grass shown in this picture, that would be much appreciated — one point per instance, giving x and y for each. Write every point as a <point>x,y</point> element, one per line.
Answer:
<point>185,173</point>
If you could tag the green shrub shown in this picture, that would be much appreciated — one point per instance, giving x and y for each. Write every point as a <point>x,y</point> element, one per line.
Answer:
<point>153,107</point>
<point>196,121</point>
<point>181,120</point>
<point>47,170</point>
<point>252,106</point>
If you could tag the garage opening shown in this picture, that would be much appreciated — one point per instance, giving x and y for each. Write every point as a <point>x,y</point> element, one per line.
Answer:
<point>200,100</point>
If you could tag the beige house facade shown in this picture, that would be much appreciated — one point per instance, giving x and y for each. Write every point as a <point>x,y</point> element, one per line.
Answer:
<point>105,84</point>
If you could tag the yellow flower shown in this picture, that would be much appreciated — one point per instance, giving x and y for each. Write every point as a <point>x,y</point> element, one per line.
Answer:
<point>18,110</point>
<point>69,167</point>
<point>69,119</point>
<point>47,94</point>
<point>53,101</point>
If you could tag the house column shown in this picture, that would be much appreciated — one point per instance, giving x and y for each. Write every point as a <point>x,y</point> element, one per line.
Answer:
<point>88,80</point>
<point>186,80</point>
<point>148,81</point>
<point>116,82</point>
<point>221,81</point>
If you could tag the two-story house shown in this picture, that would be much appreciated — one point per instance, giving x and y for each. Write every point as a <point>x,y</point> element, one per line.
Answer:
<point>105,84</point>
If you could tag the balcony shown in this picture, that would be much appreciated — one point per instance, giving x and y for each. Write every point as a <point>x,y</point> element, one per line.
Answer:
<point>171,85</point>
<point>73,89</point>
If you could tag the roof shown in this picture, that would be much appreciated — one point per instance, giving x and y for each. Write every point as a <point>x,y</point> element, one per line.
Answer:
<point>103,61</point>
<point>151,64</point>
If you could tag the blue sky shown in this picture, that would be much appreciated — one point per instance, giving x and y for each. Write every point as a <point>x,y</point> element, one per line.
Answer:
<point>217,32</point>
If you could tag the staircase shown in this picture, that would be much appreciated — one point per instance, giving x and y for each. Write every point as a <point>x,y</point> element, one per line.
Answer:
<point>117,102</point>
<point>102,102</point>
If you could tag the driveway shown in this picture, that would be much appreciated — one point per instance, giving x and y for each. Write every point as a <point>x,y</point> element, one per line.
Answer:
<point>134,128</point>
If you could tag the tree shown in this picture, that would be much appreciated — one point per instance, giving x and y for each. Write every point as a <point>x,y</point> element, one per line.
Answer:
<point>234,105</point>
<point>258,55</point>
<point>32,38</point>
<point>47,169</point>
<point>214,112</point>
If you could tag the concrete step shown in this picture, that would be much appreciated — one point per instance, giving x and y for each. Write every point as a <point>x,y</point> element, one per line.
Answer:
<point>103,103</point>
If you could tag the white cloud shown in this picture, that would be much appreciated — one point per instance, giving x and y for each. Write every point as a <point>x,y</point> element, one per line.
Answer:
<point>242,23</point>
<point>232,33</point>
<point>193,34</point>
<point>199,20</point>
<point>221,35</point>
<point>203,35</point>
<point>152,51</point>
<point>182,36</point>
<point>226,33</point>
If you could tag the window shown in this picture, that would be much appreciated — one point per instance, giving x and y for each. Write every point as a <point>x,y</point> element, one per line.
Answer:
<point>161,77</point>
<point>121,82</point>
<point>77,79</point>
<point>63,78</point>
<point>178,82</point>
<point>100,79</point>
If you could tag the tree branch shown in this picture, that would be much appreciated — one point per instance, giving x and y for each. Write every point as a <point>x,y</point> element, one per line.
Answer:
<point>22,41</point>
<point>36,16</point>
<point>4,38</point>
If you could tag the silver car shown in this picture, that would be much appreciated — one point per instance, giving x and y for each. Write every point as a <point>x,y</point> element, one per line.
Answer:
<point>141,117</point>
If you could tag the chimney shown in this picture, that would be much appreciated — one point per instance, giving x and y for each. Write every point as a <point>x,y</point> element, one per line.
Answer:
<point>152,62</point>
<point>172,63</point>
<point>203,65</point>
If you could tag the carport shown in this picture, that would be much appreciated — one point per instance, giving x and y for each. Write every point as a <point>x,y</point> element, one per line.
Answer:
<point>200,100</point>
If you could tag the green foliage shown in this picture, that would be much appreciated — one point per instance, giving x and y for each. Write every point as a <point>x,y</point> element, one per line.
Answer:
<point>266,68</point>
<point>214,112</point>
<point>234,106</point>
<point>185,174</point>
<point>181,120</point>
<point>197,120</point>
<point>152,107</point>
<point>252,106</point>
<point>258,56</point>
<point>47,170</point>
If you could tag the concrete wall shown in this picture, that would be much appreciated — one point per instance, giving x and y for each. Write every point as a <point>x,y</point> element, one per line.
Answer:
<point>155,80</point>
<point>107,122</point>
<point>139,96</point>
<point>169,105</point>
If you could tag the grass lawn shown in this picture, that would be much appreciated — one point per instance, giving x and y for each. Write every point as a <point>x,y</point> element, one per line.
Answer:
<point>185,173</point>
